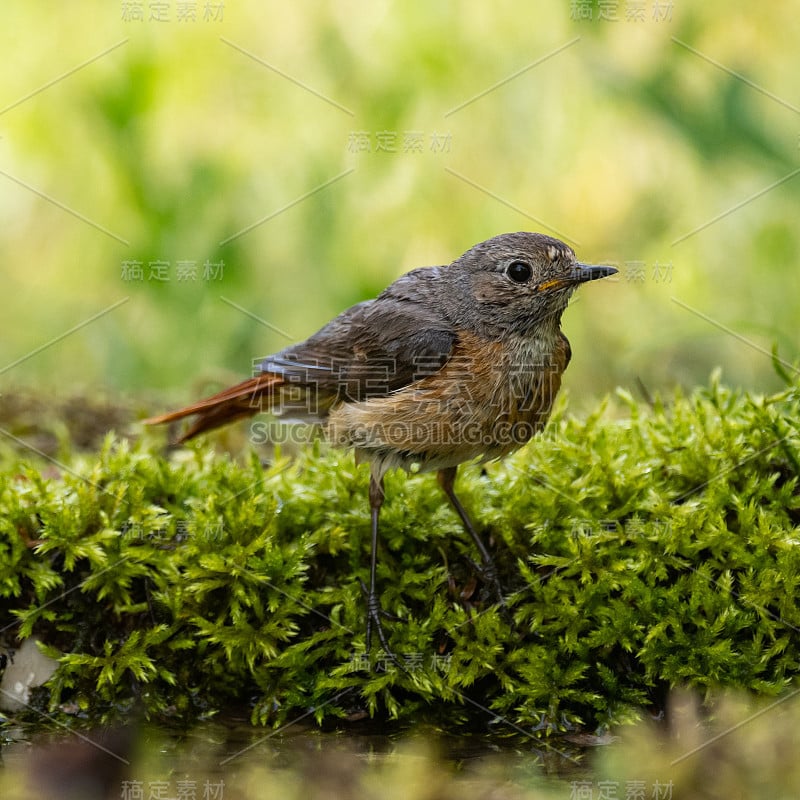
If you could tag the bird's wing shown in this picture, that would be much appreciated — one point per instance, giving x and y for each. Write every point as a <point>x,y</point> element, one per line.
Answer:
<point>370,350</point>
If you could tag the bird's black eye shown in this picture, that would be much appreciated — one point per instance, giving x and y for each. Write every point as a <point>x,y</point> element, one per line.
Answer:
<point>519,271</point>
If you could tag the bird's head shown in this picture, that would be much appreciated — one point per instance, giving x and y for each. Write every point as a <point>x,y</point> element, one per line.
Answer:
<point>519,281</point>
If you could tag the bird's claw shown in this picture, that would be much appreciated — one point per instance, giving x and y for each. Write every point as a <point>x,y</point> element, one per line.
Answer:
<point>374,614</point>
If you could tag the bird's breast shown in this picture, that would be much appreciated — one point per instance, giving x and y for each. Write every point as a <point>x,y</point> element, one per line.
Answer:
<point>489,399</point>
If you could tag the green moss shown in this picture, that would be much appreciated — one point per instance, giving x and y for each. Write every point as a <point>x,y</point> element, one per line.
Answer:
<point>641,550</point>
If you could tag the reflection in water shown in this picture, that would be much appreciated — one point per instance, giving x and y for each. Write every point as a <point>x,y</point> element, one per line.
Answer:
<point>229,759</point>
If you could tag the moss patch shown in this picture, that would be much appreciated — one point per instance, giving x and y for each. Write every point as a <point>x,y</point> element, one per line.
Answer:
<point>639,551</point>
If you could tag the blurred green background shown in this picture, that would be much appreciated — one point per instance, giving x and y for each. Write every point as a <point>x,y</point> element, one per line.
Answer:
<point>310,153</point>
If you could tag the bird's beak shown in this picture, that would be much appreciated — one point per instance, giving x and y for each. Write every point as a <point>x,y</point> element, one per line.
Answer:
<point>580,273</point>
<point>591,272</point>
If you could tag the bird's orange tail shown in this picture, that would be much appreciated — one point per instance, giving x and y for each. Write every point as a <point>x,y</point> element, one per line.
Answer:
<point>239,401</point>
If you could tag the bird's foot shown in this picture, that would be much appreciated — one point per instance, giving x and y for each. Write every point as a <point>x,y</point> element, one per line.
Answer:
<point>374,615</point>
<point>488,575</point>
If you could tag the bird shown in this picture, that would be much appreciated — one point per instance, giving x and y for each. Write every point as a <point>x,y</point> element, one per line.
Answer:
<point>447,365</point>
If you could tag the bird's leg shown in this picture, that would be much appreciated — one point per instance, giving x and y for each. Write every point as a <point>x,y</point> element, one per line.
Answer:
<point>447,478</point>
<point>374,611</point>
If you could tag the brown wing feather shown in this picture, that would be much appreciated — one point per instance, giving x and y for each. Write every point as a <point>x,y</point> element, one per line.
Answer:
<point>375,347</point>
<point>370,350</point>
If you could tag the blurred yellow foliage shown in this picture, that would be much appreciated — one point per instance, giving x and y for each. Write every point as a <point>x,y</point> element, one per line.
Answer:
<point>165,165</point>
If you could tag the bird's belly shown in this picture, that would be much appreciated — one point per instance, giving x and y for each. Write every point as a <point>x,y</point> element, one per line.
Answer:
<point>473,408</point>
